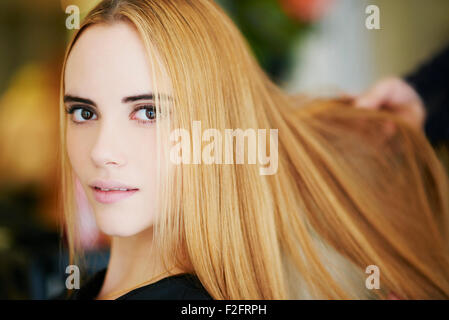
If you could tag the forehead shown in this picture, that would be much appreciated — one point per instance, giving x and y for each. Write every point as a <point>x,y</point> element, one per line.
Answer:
<point>108,60</point>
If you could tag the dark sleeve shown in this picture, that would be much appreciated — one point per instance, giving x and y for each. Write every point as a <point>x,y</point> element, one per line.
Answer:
<point>431,81</point>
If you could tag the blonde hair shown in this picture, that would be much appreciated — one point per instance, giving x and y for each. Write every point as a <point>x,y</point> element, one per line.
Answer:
<point>345,195</point>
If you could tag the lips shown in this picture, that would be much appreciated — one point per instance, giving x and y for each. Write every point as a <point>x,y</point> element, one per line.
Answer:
<point>111,191</point>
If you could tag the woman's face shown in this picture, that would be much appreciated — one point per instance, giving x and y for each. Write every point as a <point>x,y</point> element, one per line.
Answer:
<point>111,130</point>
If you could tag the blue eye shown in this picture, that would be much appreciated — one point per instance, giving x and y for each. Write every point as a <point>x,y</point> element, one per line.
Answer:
<point>146,113</point>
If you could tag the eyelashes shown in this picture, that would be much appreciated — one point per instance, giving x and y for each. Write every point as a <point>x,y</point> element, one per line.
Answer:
<point>84,113</point>
<point>144,114</point>
<point>149,113</point>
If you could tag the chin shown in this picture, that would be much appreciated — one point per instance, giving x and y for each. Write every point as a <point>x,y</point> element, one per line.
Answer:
<point>120,226</point>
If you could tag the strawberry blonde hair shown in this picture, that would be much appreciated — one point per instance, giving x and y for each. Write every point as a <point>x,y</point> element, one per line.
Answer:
<point>345,195</point>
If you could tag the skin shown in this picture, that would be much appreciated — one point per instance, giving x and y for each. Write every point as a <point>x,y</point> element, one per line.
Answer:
<point>114,142</point>
<point>395,95</point>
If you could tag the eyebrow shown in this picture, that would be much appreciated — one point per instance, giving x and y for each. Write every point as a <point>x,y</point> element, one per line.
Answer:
<point>147,96</point>
<point>70,98</point>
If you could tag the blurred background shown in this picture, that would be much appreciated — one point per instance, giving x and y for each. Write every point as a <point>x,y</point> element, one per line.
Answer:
<point>307,46</point>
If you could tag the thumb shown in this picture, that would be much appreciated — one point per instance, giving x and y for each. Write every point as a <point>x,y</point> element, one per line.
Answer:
<point>368,101</point>
<point>375,97</point>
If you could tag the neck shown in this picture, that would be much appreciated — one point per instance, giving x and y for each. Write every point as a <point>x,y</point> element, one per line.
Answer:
<point>133,260</point>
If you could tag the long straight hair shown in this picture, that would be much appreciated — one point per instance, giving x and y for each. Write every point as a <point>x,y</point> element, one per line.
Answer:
<point>346,195</point>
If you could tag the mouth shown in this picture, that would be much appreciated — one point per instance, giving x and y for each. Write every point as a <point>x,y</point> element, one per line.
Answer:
<point>114,189</point>
<point>109,193</point>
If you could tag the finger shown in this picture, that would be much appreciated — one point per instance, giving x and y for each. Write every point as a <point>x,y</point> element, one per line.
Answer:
<point>389,128</point>
<point>376,97</point>
<point>393,296</point>
<point>388,132</point>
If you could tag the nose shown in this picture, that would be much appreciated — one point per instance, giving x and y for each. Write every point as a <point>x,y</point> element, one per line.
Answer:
<point>107,150</point>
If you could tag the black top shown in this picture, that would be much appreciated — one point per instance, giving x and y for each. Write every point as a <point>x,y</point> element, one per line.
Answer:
<point>431,81</point>
<point>177,287</point>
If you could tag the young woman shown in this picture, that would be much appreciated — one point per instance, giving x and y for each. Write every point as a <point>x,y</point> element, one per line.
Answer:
<point>346,196</point>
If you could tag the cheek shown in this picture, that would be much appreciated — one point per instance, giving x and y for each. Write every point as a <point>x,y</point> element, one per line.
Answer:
<point>77,148</point>
<point>145,154</point>
<point>145,157</point>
